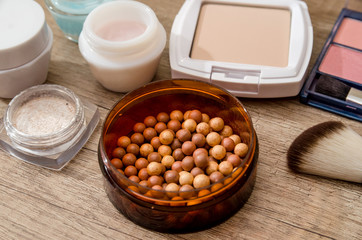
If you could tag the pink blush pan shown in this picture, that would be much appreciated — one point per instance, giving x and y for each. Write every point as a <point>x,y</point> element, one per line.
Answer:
<point>350,33</point>
<point>343,62</point>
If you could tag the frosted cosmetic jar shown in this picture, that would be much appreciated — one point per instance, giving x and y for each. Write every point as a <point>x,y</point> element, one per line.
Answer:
<point>70,14</point>
<point>47,125</point>
<point>176,211</point>
<point>122,41</point>
<point>25,46</point>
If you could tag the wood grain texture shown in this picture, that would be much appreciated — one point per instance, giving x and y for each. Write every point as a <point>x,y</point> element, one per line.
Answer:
<point>37,203</point>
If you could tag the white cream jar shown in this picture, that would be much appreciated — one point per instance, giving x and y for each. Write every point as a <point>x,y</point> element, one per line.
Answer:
<point>25,45</point>
<point>122,41</point>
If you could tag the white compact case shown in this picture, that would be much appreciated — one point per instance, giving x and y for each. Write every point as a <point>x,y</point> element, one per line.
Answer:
<point>25,46</point>
<point>255,49</point>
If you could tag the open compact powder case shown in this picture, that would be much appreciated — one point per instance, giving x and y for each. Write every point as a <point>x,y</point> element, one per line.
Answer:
<point>257,49</point>
<point>47,125</point>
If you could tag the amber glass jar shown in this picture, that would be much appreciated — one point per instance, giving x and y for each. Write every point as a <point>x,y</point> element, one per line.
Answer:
<point>189,214</point>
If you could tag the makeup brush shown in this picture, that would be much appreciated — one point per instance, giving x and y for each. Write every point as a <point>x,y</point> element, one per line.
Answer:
<point>337,89</point>
<point>330,149</point>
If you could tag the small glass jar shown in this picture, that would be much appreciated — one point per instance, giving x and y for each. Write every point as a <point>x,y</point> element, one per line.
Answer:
<point>31,107</point>
<point>122,42</point>
<point>70,14</point>
<point>163,214</point>
<point>47,125</point>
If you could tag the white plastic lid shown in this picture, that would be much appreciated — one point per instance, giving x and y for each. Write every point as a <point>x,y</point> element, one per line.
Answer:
<point>244,80</point>
<point>24,32</point>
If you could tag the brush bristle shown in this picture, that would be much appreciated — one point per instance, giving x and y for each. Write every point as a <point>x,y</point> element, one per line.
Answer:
<point>332,87</point>
<point>329,149</point>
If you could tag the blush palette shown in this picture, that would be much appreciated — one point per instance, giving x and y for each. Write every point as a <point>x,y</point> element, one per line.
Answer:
<point>335,82</point>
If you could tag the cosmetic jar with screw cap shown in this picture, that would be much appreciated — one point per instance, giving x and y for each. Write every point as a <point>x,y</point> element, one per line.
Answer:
<point>122,41</point>
<point>25,46</point>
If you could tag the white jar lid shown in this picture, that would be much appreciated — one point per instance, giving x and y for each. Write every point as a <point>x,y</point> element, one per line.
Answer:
<point>24,32</point>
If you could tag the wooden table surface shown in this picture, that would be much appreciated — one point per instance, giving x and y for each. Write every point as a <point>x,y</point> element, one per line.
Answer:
<point>36,203</point>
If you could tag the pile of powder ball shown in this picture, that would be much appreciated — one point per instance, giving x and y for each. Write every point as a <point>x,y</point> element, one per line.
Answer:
<point>177,153</point>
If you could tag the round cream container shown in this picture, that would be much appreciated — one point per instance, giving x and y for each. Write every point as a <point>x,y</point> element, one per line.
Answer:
<point>25,46</point>
<point>122,41</point>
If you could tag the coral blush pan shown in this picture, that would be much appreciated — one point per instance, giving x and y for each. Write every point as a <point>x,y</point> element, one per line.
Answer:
<point>343,62</point>
<point>350,33</point>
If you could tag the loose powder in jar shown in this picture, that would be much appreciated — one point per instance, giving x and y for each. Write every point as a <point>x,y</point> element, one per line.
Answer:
<point>43,115</point>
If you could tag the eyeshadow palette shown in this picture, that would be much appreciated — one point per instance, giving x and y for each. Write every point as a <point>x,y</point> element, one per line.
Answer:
<point>335,82</point>
<point>252,48</point>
